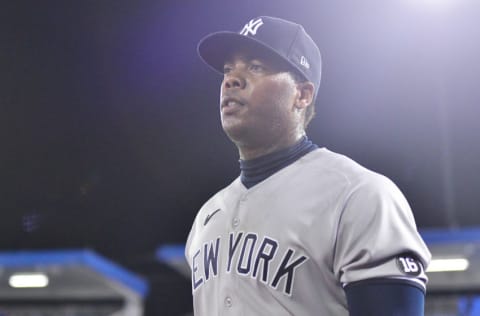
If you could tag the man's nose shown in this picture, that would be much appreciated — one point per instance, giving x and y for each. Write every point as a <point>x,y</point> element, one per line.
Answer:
<point>234,80</point>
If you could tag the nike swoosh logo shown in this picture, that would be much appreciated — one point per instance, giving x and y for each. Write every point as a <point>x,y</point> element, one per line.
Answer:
<point>209,216</point>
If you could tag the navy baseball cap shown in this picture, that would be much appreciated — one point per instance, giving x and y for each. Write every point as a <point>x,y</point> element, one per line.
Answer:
<point>275,36</point>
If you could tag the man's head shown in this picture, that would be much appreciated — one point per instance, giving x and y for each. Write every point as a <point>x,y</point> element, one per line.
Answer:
<point>272,69</point>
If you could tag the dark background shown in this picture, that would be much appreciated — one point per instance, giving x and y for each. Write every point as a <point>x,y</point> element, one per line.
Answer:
<point>109,122</point>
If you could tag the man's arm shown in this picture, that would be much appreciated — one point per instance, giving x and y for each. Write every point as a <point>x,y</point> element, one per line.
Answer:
<point>385,297</point>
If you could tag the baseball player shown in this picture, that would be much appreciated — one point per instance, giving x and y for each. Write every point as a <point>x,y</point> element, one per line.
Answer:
<point>302,230</point>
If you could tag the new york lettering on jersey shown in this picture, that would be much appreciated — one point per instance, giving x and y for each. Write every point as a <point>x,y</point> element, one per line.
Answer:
<point>248,256</point>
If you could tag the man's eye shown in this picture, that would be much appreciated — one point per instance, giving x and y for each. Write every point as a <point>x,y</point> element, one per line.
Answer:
<point>257,68</point>
<point>226,69</point>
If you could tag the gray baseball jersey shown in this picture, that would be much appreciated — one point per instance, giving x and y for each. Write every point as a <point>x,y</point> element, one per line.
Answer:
<point>288,245</point>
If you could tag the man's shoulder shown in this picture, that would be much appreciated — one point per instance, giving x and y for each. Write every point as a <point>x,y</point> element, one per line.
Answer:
<point>355,179</point>
<point>326,162</point>
<point>216,201</point>
<point>234,187</point>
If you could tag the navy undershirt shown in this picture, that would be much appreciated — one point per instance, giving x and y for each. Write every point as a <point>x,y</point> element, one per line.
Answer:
<point>385,297</point>
<point>256,170</point>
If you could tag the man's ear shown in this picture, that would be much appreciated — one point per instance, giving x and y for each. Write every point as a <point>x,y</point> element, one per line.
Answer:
<point>305,96</point>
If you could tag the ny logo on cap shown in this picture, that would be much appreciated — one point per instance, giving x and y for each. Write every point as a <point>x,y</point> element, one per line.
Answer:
<point>251,27</point>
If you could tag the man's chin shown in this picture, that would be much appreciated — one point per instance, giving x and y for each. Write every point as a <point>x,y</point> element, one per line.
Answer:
<point>235,134</point>
<point>236,131</point>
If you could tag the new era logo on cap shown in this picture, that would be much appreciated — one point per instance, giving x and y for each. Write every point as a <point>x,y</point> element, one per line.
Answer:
<point>251,27</point>
<point>304,62</point>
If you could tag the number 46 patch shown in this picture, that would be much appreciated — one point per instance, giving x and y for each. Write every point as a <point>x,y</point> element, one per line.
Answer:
<point>409,265</point>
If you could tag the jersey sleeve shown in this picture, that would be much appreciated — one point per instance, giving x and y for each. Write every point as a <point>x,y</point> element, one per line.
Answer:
<point>377,237</point>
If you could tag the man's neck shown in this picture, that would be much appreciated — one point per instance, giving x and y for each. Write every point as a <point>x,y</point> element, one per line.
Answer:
<point>256,170</point>
<point>249,152</point>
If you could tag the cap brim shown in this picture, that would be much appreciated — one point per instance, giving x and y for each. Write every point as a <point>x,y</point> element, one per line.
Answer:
<point>216,48</point>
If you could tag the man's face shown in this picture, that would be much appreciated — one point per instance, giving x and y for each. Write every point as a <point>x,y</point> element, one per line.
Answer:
<point>257,100</point>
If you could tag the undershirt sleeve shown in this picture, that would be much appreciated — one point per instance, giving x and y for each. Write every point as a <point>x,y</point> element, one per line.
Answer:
<point>384,297</point>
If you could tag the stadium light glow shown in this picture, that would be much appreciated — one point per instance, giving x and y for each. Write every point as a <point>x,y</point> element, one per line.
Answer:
<point>434,5</point>
<point>446,265</point>
<point>28,280</point>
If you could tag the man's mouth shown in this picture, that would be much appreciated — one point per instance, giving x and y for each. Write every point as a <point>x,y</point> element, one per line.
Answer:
<point>231,102</point>
<point>230,105</point>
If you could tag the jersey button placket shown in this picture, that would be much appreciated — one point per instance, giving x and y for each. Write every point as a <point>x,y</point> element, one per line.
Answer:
<point>236,219</point>
<point>235,222</point>
<point>228,302</point>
